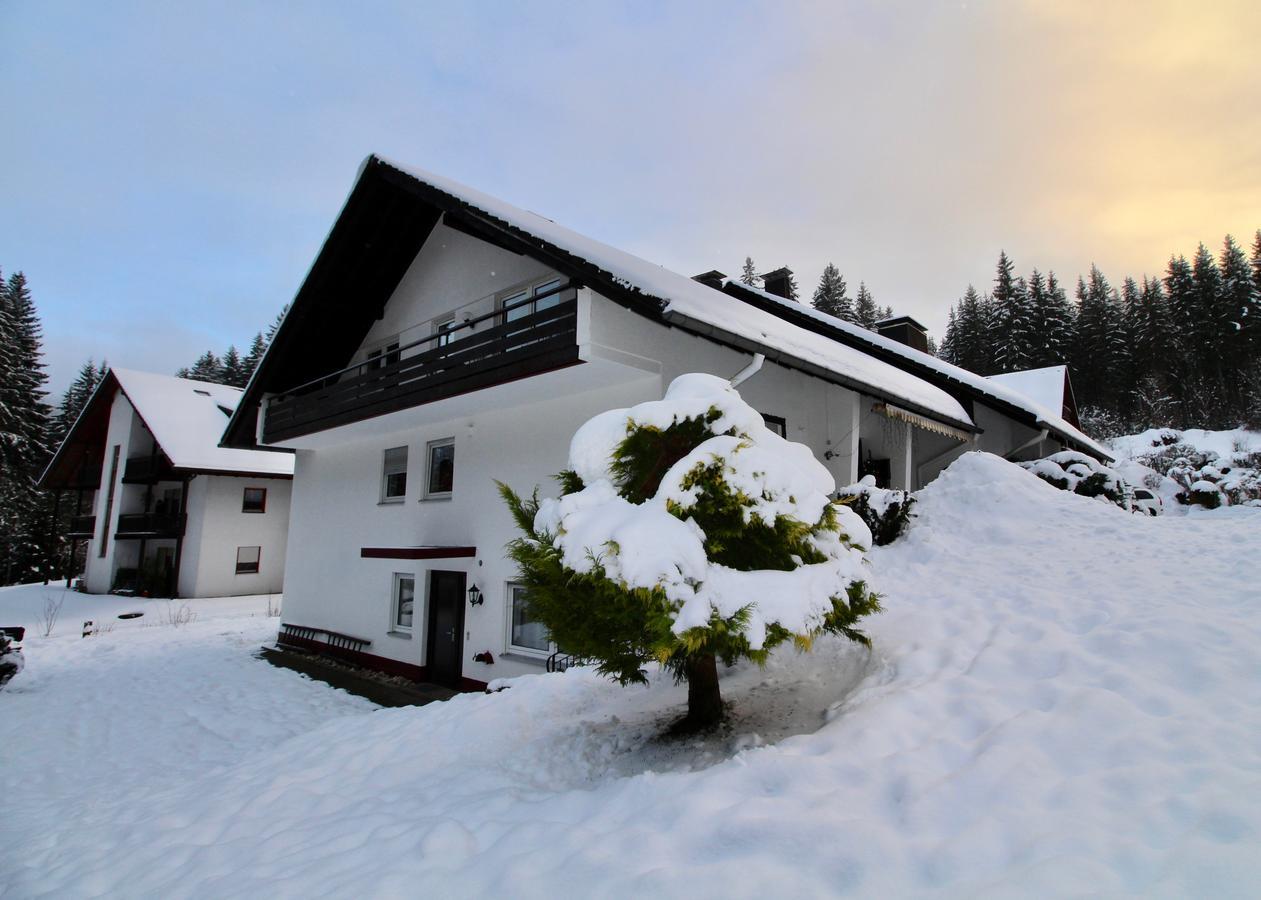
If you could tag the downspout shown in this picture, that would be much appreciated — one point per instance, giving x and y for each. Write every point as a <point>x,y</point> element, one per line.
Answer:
<point>1036,439</point>
<point>179,540</point>
<point>754,366</point>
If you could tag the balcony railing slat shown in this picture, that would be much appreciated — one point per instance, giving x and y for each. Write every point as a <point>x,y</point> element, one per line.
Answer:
<point>151,524</point>
<point>507,351</point>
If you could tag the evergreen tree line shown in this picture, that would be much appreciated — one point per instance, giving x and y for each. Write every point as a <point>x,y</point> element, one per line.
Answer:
<point>831,296</point>
<point>1181,350</point>
<point>232,368</point>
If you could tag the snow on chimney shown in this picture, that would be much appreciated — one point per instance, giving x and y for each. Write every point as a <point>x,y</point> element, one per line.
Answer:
<point>713,278</point>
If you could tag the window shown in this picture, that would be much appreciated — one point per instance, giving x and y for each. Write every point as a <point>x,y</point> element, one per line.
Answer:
<point>443,331</point>
<point>247,560</point>
<point>386,355</point>
<point>441,468</point>
<point>776,424</point>
<point>404,601</point>
<point>394,475</point>
<point>524,633</point>
<point>528,301</point>
<point>254,501</point>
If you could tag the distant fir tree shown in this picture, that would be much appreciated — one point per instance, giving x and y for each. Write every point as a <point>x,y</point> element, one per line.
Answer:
<point>831,295</point>
<point>866,313</point>
<point>207,368</point>
<point>24,436</point>
<point>1061,323</point>
<point>886,313</point>
<point>1239,304</point>
<point>76,398</point>
<point>257,348</point>
<point>947,349</point>
<point>1013,323</point>
<point>748,275</point>
<point>232,368</point>
<point>280,317</point>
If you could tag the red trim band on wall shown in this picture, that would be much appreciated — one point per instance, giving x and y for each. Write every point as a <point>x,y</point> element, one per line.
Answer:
<point>417,552</point>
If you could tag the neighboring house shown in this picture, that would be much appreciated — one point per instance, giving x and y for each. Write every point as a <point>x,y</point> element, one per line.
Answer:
<point>444,339</point>
<point>162,508</point>
<point>1050,387</point>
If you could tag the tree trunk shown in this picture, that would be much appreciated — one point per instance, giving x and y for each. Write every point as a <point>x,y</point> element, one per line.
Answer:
<point>704,701</point>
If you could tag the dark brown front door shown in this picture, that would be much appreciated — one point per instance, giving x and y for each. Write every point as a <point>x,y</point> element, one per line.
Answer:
<point>446,627</point>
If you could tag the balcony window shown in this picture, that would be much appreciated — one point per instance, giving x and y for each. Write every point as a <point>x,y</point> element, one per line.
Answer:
<point>444,330</point>
<point>254,500</point>
<point>394,475</point>
<point>383,356</point>
<point>247,559</point>
<point>441,479</point>
<point>527,301</point>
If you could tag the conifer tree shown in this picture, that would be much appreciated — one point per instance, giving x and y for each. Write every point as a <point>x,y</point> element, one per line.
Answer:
<point>76,398</point>
<point>1239,303</point>
<point>1013,319</point>
<point>830,296</point>
<point>1061,323</point>
<point>748,275</point>
<point>257,348</point>
<point>664,607</point>
<point>207,368</point>
<point>232,368</point>
<point>866,313</point>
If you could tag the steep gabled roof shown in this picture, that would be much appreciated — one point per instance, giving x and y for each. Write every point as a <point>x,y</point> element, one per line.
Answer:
<point>392,209</point>
<point>185,417</point>
<point>1049,386</point>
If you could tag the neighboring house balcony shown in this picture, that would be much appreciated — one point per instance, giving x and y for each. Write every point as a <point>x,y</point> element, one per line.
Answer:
<point>150,525</point>
<point>81,527</point>
<point>491,349</point>
<point>148,470</point>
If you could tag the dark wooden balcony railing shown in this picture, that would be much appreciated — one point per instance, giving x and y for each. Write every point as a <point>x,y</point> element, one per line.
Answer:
<point>150,525</point>
<point>81,526</point>
<point>148,470</point>
<point>455,362</point>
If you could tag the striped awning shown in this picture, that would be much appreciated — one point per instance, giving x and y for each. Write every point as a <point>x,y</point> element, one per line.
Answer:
<point>905,415</point>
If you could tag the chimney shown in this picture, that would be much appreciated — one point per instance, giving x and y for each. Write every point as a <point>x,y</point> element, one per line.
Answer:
<point>777,282</point>
<point>713,278</point>
<point>904,330</point>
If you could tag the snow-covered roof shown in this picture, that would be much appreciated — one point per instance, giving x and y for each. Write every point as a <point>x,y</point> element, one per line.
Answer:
<point>1048,417</point>
<point>187,419</point>
<point>685,298</point>
<point>1043,386</point>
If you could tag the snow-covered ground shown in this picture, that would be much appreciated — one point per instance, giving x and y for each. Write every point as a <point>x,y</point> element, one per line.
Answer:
<point>1063,699</point>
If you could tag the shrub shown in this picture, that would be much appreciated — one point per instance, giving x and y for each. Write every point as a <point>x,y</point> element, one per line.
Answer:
<point>688,532</point>
<point>887,513</point>
<point>1069,470</point>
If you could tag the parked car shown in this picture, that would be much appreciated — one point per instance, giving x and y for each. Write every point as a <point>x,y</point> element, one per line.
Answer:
<point>1147,502</point>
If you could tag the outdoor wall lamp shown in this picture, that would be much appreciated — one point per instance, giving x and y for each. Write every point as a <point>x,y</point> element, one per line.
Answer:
<point>475,596</point>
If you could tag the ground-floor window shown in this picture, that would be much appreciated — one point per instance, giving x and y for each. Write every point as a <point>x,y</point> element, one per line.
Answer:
<point>404,601</point>
<point>525,634</point>
<point>247,559</point>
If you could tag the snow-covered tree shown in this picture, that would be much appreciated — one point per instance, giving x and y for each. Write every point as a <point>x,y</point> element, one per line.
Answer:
<point>76,397</point>
<point>257,348</point>
<point>688,532</point>
<point>748,275</point>
<point>831,295</point>
<point>207,368</point>
<point>232,368</point>
<point>866,313</point>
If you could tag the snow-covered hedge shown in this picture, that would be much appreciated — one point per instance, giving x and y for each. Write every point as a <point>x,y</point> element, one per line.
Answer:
<point>886,512</point>
<point>1069,470</point>
<point>1210,468</point>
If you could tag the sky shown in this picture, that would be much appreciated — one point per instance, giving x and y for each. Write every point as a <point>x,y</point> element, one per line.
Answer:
<point>169,171</point>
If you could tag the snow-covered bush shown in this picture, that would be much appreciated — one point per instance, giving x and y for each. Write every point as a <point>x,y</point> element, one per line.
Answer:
<point>885,512</point>
<point>1204,493</point>
<point>688,532</point>
<point>1069,470</point>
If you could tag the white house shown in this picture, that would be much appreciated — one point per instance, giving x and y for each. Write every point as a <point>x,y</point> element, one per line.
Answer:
<point>444,340</point>
<point>162,508</point>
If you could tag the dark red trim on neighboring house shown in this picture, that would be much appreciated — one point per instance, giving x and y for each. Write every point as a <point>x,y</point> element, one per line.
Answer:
<point>417,552</point>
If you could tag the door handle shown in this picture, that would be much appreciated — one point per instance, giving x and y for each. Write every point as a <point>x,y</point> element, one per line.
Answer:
<point>451,635</point>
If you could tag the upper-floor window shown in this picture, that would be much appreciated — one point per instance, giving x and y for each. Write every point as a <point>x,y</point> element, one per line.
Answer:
<point>383,356</point>
<point>394,475</point>
<point>254,500</point>
<point>776,424</point>
<point>441,475</point>
<point>444,330</point>
<point>528,300</point>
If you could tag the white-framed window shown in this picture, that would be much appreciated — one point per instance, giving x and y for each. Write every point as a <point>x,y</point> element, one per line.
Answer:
<point>521,302</point>
<point>440,468</point>
<point>525,635</point>
<point>384,355</point>
<point>403,605</point>
<point>248,559</point>
<point>394,475</point>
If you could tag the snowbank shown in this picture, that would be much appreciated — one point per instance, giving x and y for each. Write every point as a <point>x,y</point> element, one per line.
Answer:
<point>1063,700</point>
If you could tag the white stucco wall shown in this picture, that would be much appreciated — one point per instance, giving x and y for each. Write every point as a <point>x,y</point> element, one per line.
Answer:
<point>217,527</point>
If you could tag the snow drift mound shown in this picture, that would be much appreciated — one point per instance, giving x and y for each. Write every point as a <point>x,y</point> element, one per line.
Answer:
<point>1065,701</point>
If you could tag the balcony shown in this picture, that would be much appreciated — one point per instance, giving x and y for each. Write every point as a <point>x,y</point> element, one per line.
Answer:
<point>148,470</point>
<point>81,527</point>
<point>150,525</point>
<point>456,362</point>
